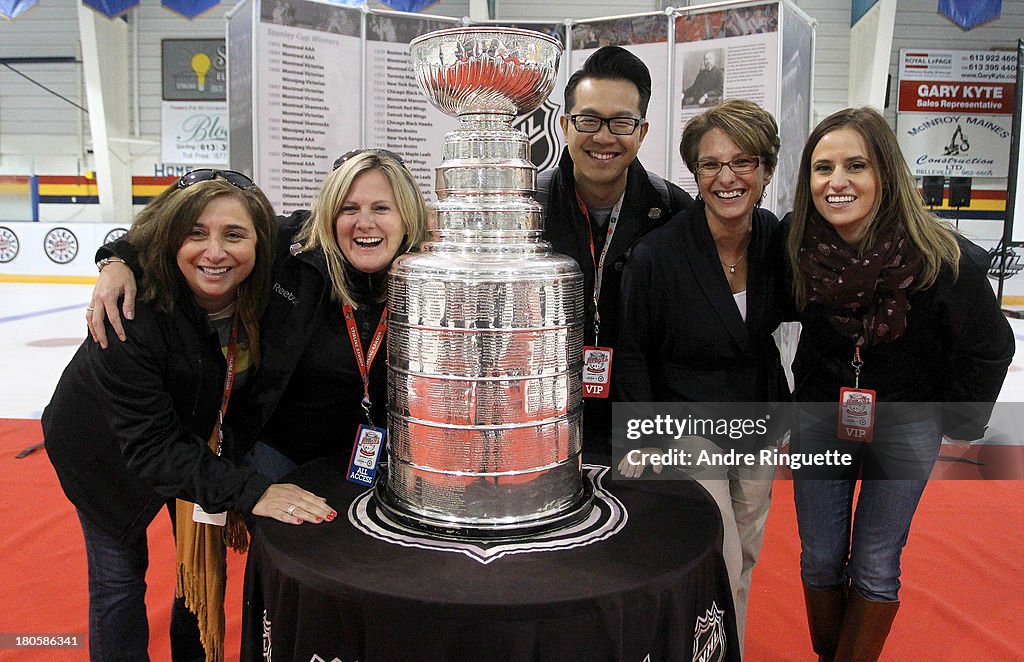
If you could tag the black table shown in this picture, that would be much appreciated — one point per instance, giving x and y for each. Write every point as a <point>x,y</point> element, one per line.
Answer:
<point>648,592</point>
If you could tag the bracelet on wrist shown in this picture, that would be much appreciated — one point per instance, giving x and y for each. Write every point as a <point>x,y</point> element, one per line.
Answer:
<point>107,260</point>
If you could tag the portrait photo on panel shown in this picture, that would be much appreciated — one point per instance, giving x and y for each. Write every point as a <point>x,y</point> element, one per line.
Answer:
<point>703,78</point>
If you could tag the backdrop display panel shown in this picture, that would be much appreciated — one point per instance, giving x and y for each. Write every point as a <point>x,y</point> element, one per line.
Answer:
<point>542,127</point>
<point>324,79</point>
<point>726,54</point>
<point>794,110</point>
<point>398,116</point>
<point>1014,230</point>
<point>308,98</point>
<point>242,110</point>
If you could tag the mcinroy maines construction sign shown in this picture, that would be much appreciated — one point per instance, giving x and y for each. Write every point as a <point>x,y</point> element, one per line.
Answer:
<point>955,111</point>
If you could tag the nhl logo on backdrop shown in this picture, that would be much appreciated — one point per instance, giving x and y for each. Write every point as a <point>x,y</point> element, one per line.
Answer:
<point>541,129</point>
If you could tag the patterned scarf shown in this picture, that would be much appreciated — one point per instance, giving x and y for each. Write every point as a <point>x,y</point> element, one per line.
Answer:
<point>867,294</point>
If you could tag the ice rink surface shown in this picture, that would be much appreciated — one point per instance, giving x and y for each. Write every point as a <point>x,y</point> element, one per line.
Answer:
<point>42,325</point>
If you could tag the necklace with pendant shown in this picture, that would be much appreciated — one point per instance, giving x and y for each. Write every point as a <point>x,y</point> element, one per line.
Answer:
<point>732,267</point>
<point>743,254</point>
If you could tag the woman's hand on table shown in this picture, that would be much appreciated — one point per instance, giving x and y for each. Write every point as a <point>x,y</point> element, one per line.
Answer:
<point>630,470</point>
<point>293,505</point>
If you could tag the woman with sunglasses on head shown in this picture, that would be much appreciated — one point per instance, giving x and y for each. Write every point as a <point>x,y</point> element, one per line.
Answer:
<point>326,307</point>
<point>903,337</point>
<point>699,309</point>
<point>325,371</point>
<point>130,427</point>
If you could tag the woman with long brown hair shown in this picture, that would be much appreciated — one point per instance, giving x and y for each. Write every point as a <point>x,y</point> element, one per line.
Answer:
<point>900,326</point>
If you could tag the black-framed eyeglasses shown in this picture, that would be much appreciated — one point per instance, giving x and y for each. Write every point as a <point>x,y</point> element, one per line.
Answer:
<point>356,152</point>
<point>206,174</point>
<point>619,126</point>
<point>741,165</point>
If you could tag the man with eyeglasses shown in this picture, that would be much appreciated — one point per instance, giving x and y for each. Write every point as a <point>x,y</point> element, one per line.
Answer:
<point>599,200</point>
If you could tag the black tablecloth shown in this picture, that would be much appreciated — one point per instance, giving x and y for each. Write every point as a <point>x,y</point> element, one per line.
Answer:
<point>649,592</point>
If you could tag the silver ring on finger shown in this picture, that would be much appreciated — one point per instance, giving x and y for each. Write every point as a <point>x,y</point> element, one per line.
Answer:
<point>291,509</point>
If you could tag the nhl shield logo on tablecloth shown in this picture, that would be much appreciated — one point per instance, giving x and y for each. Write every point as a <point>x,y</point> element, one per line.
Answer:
<point>607,518</point>
<point>709,636</point>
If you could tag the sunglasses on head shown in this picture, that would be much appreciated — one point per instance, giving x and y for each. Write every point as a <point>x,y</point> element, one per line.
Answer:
<point>206,174</point>
<point>356,152</point>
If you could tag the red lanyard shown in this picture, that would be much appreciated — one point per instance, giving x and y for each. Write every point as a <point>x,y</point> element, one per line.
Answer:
<point>364,361</point>
<point>229,382</point>
<point>598,262</point>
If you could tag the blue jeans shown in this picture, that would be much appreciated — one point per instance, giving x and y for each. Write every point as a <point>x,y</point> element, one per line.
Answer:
<point>862,544</point>
<point>118,627</point>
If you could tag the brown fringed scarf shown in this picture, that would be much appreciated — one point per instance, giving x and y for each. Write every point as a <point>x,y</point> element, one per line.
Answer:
<point>200,550</point>
<point>868,295</point>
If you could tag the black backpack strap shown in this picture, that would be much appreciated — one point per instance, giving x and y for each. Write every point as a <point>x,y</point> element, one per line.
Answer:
<point>661,186</point>
<point>543,193</point>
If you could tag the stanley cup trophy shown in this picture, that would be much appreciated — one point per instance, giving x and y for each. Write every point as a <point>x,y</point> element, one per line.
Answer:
<point>485,327</point>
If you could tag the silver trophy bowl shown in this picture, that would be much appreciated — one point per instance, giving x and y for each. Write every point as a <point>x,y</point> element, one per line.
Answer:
<point>485,324</point>
<point>485,70</point>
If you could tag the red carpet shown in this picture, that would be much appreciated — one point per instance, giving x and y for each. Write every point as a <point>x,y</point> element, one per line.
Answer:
<point>962,573</point>
<point>43,574</point>
<point>962,579</point>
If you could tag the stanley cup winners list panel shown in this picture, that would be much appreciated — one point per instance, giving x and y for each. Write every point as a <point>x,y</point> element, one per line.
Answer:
<point>309,100</point>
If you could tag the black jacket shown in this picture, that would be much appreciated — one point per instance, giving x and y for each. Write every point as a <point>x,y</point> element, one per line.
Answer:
<point>682,338</point>
<point>565,226</point>
<point>304,398</point>
<point>643,209</point>
<point>957,348</point>
<point>307,390</point>
<point>127,427</point>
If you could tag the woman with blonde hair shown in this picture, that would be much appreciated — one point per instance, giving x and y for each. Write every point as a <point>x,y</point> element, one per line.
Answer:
<point>326,317</point>
<point>900,331</point>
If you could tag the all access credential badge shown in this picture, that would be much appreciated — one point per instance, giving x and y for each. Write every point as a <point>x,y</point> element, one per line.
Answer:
<point>856,414</point>
<point>362,466</point>
<point>597,372</point>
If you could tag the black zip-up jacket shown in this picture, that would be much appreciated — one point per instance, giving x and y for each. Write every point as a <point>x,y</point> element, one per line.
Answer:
<point>127,427</point>
<point>643,209</point>
<point>306,393</point>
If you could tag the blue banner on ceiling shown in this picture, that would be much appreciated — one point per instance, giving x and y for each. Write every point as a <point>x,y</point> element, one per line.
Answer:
<point>860,7</point>
<point>190,8</point>
<point>408,5</point>
<point>970,13</point>
<point>110,8</point>
<point>11,8</point>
